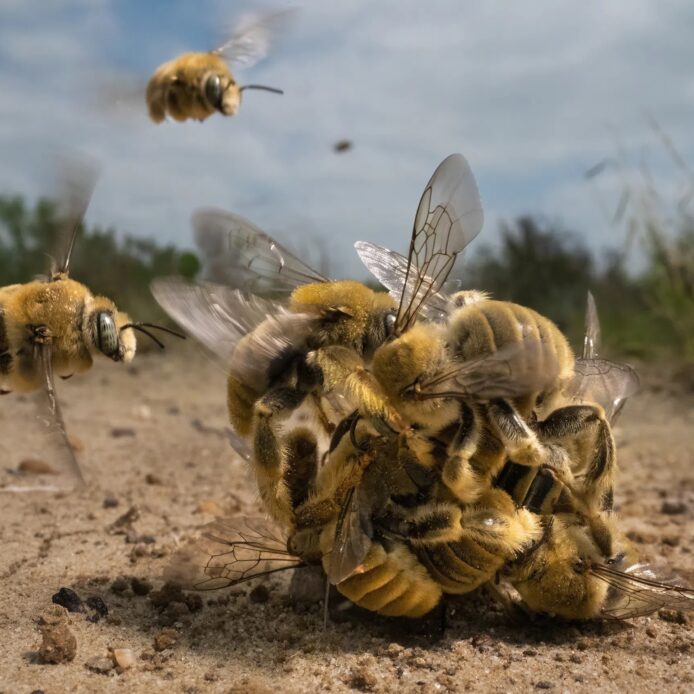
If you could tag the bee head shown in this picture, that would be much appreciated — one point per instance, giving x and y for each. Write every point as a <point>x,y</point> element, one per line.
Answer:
<point>351,314</point>
<point>107,331</point>
<point>222,93</point>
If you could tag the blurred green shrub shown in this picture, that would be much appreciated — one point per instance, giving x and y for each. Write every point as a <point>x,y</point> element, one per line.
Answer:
<point>120,267</point>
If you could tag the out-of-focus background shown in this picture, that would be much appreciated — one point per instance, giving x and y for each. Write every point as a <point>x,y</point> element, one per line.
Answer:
<point>575,119</point>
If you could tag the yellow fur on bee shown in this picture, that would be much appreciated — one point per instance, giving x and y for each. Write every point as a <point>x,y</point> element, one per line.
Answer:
<point>240,401</point>
<point>549,581</point>
<point>177,87</point>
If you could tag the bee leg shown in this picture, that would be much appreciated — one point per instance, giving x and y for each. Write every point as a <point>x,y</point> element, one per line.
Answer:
<point>270,452</point>
<point>342,368</point>
<point>429,523</point>
<point>522,444</point>
<point>583,430</point>
<point>327,425</point>
<point>457,473</point>
<point>301,464</point>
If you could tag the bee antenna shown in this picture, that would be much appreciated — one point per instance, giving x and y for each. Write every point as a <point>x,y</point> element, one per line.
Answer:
<point>260,86</point>
<point>142,327</point>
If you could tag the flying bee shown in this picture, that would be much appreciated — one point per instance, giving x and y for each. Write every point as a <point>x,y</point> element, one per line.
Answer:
<point>196,85</point>
<point>56,326</point>
<point>323,339</point>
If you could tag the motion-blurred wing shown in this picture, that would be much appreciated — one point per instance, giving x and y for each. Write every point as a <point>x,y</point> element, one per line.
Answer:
<point>608,383</point>
<point>238,253</point>
<point>591,340</point>
<point>351,543</point>
<point>390,269</point>
<point>77,185</point>
<point>448,218</point>
<point>231,551</point>
<point>253,37</point>
<point>215,315</point>
<point>34,447</point>
<point>637,592</point>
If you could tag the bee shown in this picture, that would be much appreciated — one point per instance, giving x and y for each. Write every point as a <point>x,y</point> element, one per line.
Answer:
<point>278,355</point>
<point>196,85</point>
<point>56,326</point>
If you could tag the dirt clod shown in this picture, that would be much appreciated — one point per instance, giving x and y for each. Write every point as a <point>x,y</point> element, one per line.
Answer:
<point>259,594</point>
<point>151,478</point>
<point>110,501</point>
<point>363,679</point>
<point>140,586</point>
<point>120,585</point>
<point>98,605</point>
<point>121,432</point>
<point>58,644</point>
<point>100,664</point>
<point>166,638</point>
<point>36,466</point>
<point>673,616</point>
<point>170,592</point>
<point>67,598</point>
<point>673,508</point>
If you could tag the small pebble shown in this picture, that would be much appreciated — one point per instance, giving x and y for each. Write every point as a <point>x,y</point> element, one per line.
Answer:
<point>673,508</point>
<point>35,466</point>
<point>124,658</point>
<point>259,594</point>
<point>99,606</point>
<point>121,432</point>
<point>75,443</point>
<point>151,478</point>
<point>100,664</point>
<point>650,631</point>
<point>210,506</point>
<point>543,684</point>
<point>110,501</point>
<point>67,598</point>
<point>140,586</point>
<point>120,585</point>
<point>166,638</point>
<point>362,679</point>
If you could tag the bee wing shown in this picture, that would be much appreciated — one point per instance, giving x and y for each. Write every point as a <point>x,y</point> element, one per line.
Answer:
<point>352,541</point>
<point>238,253</point>
<point>637,592</point>
<point>44,440</point>
<point>448,218</point>
<point>230,551</point>
<point>216,315</point>
<point>77,185</point>
<point>515,370</point>
<point>252,38</point>
<point>390,269</point>
<point>591,340</point>
<point>607,383</point>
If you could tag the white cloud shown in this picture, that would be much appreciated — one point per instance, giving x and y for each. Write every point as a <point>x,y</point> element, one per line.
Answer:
<point>527,91</point>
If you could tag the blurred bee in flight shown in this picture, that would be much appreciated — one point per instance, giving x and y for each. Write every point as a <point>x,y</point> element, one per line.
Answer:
<point>55,325</point>
<point>196,85</point>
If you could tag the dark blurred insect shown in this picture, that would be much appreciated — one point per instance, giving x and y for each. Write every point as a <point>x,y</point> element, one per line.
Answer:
<point>343,146</point>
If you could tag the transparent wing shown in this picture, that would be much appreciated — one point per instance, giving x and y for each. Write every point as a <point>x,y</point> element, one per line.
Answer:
<point>76,187</point>
<point>608,383</point>
<point>390,269</point>
<point>591,340</point>
<point>637,592</point>
<point>352,542</point>
<point>34,446</point>
<point>215,315</point>
<point>516,370</point>
<point>238,253</point>
<point>231,551</point>
<point>253,37</point>
<point>448,218</point>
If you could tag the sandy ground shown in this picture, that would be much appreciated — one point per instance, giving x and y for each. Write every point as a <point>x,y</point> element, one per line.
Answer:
<point>153,437</point>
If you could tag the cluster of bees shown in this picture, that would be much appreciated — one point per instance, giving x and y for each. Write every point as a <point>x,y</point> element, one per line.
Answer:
<point>413,443</point>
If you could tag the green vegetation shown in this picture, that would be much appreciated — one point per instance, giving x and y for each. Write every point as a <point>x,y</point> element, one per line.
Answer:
<point>120,268</point>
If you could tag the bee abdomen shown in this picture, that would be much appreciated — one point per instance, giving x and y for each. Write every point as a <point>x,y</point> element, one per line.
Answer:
<point>392,583</point>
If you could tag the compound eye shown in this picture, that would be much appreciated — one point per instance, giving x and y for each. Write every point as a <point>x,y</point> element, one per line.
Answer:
<point>389,322</point>
<point>106,334</point>
<point>213,91</point>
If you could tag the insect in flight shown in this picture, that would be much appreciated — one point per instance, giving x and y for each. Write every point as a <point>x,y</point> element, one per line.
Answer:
<point>55,326</point>
<point>197,85</point>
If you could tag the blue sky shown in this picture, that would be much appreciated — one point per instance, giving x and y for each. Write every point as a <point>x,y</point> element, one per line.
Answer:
<point>532,93</point>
